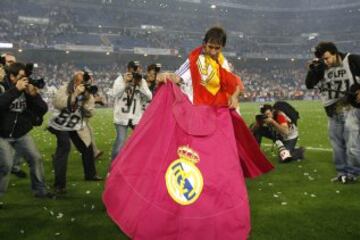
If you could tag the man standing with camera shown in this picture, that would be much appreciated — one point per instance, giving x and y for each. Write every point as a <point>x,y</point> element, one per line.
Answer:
<point>131,92</point>
<point>73,104</point>
<point>7,59</point>
<point>336,74</point>
<point>21,108</point>
<point>273,123</point>
<point>152,72</point>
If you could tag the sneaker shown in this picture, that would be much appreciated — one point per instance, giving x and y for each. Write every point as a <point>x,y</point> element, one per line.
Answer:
<point>60,191</point>
<point>94,178</point>
<point>46,195</point>
<point>20,173</point>
<point>337,178</point>
<point>344,179</point>
<point>348,179</point>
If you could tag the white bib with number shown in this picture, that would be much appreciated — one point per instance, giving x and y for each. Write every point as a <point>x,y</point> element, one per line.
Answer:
<point>67,121</point>
<point>336,78</point>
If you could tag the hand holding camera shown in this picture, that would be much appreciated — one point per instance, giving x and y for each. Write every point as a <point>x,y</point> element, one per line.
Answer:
<point>317,65</point>
<point>80,89</point>
<point>22,83</point>
<point>31,90</point>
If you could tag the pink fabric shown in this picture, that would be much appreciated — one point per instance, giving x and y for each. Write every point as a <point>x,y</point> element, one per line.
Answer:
<point>135,193</point>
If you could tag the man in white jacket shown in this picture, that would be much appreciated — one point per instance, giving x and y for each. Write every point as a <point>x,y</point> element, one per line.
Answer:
<point>130,92</point>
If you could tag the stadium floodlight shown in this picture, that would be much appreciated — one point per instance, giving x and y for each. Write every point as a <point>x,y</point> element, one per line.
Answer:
<point>20,50</point>
<point>213,6</point>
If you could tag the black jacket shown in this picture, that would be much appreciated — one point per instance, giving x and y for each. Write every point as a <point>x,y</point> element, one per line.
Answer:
<point>17,124</point>
<point>313,77</point>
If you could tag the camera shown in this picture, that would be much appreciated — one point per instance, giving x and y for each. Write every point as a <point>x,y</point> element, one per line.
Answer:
<point>260,118</point>
<point>90,88</point>
<point>137,77</point>
<point>39,82</point>
<point>157,67</point>
<point>2,60</point>
<point>318,65</point>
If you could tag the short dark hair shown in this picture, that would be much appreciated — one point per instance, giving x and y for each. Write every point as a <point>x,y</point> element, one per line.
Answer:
<point>265,107</point>
<point>151,67</point>
<point>215,35</point>
<point>133,65</point>
<point>323,47</point>
<point>15,68</point>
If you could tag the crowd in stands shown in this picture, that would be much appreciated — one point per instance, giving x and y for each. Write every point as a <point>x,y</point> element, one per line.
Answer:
<point>98,23</point>
<point>262,84</point>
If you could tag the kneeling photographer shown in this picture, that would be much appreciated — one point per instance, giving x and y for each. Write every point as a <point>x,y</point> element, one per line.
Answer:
<point>279,123</point>
<point>73,104</point>
<point>21,108</point>
<point>130,93</point>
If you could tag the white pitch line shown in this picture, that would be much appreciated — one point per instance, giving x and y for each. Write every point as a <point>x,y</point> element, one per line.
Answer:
<point>308,148</point>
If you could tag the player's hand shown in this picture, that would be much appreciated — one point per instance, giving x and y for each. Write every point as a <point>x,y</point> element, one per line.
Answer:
<point>233,102</point>
<point>165,76</point>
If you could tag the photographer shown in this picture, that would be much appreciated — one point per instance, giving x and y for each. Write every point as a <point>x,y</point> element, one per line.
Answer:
<point>152,72</point>
<point>335,74</point>
<point>131,92</point>
<point>275,124</point>
<point>73,104</point>
<point>6,60</point>
<point>21,108</point>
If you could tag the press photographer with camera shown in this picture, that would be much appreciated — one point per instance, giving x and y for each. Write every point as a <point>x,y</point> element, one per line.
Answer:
<point>73,104</point>
<point>130,93</point>
<point>279,123</point>
<point>337,74</point>
<point>21,108</point>
<point>152,71</point>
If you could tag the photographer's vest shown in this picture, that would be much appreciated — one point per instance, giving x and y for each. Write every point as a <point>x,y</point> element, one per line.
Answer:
<point>336,78</point>
<point>66,120</point>
<point>131,106</point>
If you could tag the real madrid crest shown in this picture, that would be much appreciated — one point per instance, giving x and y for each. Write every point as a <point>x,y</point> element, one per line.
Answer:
<point>184,181</point>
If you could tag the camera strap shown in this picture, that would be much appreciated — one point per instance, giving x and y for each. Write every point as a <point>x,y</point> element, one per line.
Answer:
<point>130,95</point>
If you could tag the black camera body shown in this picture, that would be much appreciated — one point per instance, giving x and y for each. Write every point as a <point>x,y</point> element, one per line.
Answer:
<point>318,65</point>
<point>157,67</point>
<point>260,118</point>
<point>90,88</point>
<point>37,82</point>
<point>2,60</point>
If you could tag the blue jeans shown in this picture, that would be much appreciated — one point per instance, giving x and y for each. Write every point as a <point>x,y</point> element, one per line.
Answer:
<point>352,125</point>
<point>17,162</point>
<point>121,134</point>
<point>25,147</point>
<point>339,133</point>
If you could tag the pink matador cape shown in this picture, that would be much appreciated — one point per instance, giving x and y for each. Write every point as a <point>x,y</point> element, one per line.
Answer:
<point>181,174</point>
